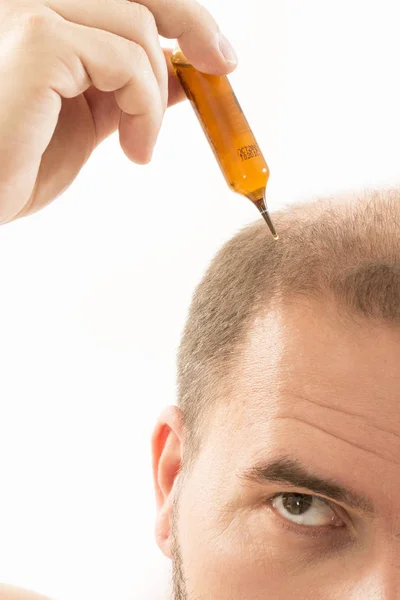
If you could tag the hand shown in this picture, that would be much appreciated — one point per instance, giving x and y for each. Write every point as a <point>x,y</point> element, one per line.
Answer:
<point>72,72</point>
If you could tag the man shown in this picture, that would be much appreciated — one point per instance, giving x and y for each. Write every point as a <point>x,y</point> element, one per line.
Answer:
<point>278,475</point>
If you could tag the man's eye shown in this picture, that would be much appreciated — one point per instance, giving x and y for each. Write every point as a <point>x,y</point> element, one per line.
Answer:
<point>303,509</point>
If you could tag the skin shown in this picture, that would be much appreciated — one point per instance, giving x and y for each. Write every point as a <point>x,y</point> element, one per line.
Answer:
<point>74,72</point>
<point>9,592</point>
<point>316,388</point>
<point>311,387</point>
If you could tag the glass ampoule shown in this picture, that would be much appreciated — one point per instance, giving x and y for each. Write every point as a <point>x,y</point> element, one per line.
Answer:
<point>227,131</point>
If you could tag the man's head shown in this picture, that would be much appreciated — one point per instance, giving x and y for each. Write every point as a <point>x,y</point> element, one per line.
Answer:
<point>279,474</point>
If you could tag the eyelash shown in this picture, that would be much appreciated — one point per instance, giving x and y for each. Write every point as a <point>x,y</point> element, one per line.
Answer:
<point>306,530</point>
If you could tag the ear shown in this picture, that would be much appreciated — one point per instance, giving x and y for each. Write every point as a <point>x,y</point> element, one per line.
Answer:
<point>167,458</point>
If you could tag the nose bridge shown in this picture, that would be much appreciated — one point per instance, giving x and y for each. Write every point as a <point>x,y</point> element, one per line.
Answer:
<point>391,565</point>
<point>386,574</point>
<point>379,571</point>
<point>382,584</point>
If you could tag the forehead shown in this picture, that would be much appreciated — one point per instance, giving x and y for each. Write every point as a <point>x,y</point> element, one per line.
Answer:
<point>308,350</point>
<point>318,387</point>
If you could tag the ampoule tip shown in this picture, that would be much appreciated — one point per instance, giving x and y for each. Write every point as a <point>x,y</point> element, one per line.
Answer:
<point>262,207</point>
<point>268,221</point>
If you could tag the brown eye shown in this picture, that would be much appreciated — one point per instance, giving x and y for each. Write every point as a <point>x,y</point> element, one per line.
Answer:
<point>304,509</point>
<point>296,504</point>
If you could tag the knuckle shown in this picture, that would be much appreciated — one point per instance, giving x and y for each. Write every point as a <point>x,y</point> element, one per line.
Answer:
<point>126,58</point>
<point>137,56</point>
<point>140,65</point>
<point>35,25</point>
<point>144,17</point>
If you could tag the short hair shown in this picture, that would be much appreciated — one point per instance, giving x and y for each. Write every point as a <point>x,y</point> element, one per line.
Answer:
<point>346,248</point>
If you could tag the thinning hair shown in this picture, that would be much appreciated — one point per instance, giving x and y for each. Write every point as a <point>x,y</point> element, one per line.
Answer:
<point>345,249</point>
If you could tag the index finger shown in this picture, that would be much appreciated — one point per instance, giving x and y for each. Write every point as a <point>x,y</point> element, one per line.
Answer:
<point>197,32</point>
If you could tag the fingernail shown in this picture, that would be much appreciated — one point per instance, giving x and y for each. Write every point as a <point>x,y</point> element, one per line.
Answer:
<point>227,50</point>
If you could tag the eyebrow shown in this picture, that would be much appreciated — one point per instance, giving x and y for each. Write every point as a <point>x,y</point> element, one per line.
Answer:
<point>292,473</point>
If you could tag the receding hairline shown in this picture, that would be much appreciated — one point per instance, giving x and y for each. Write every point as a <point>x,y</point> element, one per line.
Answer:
<point>345,248</point>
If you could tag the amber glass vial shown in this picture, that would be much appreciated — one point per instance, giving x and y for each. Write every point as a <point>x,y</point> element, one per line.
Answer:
<point>227,130</point>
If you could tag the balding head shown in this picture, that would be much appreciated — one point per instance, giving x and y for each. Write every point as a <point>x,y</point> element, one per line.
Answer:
<point>281,480</point>
<point>342,250</point>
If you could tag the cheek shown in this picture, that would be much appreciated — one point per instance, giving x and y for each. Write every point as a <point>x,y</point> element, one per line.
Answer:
<point>221,550</point>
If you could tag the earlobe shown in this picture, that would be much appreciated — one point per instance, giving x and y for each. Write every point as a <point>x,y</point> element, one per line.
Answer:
<point>167,457</point>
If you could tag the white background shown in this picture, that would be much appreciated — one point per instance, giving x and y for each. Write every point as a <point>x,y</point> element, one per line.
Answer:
<point>95,288</point>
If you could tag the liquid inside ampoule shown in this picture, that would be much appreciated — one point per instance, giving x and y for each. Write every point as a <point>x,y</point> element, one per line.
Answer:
<point>228,132</point>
